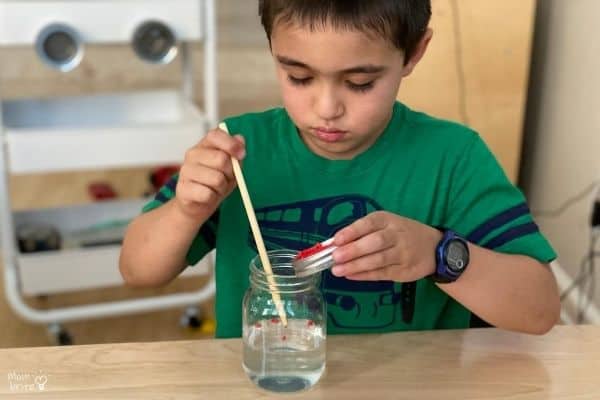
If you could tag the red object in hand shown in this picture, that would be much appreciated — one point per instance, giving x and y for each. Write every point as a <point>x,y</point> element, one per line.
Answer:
<point>161,175</point>
<point>101,191</point>
<point>314,250</point>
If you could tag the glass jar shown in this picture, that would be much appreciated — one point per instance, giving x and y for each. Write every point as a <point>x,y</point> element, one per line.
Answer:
<point>276,357</point>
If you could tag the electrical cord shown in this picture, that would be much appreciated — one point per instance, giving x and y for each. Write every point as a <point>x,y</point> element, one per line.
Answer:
<point>592,291</point>
<point>588,292</point>
<point>585,279</point>
<point>581,275</point>
<point>584,300</point>
<point>568,203</point>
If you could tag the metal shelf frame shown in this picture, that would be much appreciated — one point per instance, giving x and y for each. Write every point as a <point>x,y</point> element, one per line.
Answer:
<point>99,131</point>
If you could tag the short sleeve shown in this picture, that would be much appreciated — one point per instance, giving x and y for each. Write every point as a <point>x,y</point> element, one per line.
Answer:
<point>488,210</point>
<point>205,240</point>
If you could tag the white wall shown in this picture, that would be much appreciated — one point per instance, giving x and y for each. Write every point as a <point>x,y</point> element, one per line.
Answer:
<point>562,146</point>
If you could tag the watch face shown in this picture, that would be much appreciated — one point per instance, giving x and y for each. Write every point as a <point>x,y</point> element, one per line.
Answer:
<point>457,256</point>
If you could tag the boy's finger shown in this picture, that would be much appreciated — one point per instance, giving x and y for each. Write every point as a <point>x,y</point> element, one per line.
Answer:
<point>210,177</point>
<point>216,159</point>
<point>368,262</point>
<point>368,224</point>
<point>199,193</point>
<point>241,139</point>
<point>382,274</point>
<point>387,273</point>
<point>375,242</point>
<point>223,141</point>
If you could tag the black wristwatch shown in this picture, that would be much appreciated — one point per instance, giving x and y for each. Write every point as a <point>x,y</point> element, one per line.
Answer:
<point>451,257</point>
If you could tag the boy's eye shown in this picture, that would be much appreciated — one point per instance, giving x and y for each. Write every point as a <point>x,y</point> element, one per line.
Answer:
<point>299,81</point>
<point>360,87</point>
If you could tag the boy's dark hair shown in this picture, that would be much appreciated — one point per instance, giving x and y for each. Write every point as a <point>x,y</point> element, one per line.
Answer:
<point>402,22</point>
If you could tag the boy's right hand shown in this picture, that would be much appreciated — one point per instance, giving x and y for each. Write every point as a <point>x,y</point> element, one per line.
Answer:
<point>206,176</point>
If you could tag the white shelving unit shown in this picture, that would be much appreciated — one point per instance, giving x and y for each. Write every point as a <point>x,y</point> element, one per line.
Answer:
<point>100,131</point>
<point>97,132</point>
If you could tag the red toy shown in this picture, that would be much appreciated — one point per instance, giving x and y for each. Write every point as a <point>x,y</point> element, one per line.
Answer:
<point>101,191</point>
<point>161,175</point>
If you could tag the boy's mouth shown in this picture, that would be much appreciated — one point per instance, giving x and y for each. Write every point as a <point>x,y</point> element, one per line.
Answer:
<point>328,134</point>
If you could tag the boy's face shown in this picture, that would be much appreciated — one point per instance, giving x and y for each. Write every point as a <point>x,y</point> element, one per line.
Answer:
<point>338,86</point>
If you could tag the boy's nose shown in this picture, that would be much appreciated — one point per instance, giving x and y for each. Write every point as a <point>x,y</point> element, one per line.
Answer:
<point>329,106</point>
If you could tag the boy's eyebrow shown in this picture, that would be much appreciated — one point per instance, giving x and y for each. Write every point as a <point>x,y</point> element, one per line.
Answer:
<point>291,62</point>
<point>360,69</point>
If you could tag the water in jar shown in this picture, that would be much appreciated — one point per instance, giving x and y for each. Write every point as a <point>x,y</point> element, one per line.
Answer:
<point>284,359</point>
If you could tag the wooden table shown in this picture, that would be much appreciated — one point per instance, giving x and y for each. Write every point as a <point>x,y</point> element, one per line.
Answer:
<point>462,364</point>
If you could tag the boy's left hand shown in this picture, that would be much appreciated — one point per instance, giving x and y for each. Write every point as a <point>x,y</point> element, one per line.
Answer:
<point>385,246</point>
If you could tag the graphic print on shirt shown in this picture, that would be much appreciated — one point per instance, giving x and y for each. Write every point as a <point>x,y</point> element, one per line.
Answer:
<point>350,304</point>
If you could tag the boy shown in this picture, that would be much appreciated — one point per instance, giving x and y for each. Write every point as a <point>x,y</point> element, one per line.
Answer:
<point>429,228</point>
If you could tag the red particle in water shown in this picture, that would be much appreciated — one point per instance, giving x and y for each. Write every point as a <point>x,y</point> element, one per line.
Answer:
<point>283,337</point>
<point>275,320</point>
<point>258,325</point>
<point>310,323</point>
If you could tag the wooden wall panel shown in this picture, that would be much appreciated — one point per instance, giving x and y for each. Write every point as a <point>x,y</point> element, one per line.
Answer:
<point>476,71</point>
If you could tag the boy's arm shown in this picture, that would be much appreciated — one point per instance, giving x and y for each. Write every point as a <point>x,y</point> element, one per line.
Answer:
<point>508,291</point>
<point>156,243</point>
<point>155,246</point>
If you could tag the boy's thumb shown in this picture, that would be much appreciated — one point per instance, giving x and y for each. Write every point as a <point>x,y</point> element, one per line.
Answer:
<point>240,139</point>
<point>242,152</point>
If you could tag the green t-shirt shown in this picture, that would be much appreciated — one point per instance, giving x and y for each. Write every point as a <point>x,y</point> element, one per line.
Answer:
<point>433,171</point>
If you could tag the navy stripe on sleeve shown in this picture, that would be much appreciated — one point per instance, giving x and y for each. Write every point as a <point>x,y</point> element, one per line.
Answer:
<point>209,236</point>
<point>511,234</point>
<point>208,230</point>
<point>497,221</point>
<point>172,184</point>
<point>160,196</point>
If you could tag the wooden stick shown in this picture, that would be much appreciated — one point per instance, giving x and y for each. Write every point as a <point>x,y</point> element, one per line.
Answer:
<point>260,245</point>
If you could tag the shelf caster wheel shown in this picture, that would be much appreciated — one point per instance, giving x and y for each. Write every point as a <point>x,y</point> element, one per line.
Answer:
<point>191,318</point>
<point>59,335</point>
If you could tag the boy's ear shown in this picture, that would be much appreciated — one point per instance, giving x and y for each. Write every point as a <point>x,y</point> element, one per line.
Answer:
<point>418,53</point>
